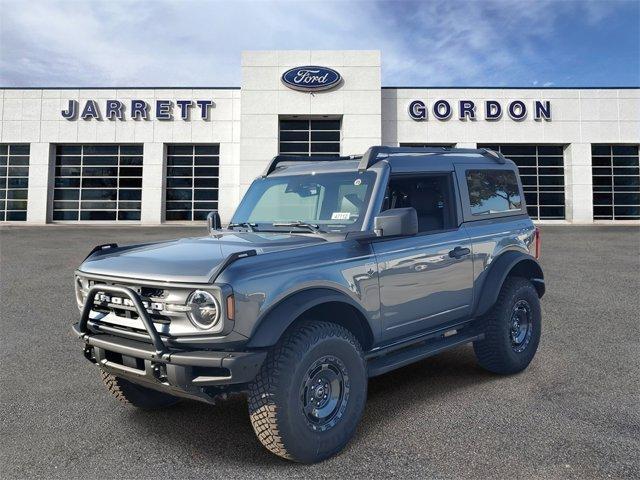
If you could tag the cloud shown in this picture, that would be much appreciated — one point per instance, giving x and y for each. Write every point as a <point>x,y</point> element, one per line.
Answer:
<point>198,43</point>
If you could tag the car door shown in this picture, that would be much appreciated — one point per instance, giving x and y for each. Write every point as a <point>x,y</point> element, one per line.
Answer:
<point>427,279</point>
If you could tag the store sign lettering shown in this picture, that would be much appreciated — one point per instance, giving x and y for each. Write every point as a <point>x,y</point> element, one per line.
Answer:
<point>137,109</point>
<point>491,110</point>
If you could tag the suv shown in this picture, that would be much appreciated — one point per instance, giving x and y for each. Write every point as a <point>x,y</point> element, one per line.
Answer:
<point>332,270</point>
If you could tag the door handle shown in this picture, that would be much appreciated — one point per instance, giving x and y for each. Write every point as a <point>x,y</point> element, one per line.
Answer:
<point>459,252</point>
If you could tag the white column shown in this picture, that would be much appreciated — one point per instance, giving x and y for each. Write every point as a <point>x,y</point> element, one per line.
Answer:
<point>578,183</point>
<point>41,177</point>
<point>228,181</point>
<point>153,183</point>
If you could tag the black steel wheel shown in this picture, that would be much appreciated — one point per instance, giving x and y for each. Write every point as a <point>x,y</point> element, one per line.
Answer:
<point>325,392</point>
<point>521,326</point>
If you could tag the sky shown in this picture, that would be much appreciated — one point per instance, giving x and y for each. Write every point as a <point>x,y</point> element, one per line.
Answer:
<point>121,43</point>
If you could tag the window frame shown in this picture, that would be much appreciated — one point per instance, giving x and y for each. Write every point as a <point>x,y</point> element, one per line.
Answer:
<point>173,153</point>
<point>87,153</point>
<point>363,220</point>
<point>468,216</point>
<point>6,167</point>
<point>538,189</point>
<point>613,173</point>
<point>310,142</point>
<point>457,214</point>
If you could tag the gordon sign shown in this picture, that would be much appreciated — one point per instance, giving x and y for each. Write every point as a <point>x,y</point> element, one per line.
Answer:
<point>311,78</point>
<point>491,110</point>
<point>136,109</point>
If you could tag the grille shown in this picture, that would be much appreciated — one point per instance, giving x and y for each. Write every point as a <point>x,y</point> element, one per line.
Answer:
<point>122,306</point>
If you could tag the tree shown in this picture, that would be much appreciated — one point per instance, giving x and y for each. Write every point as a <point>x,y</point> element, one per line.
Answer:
<point>484,185</point>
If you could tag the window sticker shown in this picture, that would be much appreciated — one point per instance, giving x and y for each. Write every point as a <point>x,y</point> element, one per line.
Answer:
<point>340,216</point>
<point>357,181</point>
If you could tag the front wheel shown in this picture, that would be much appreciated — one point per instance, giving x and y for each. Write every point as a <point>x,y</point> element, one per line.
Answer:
<point>512,329</point>
<point>307,400</point>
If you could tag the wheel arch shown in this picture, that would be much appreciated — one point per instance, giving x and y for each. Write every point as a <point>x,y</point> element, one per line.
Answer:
<point>511,263</point>
<point>316,303</point>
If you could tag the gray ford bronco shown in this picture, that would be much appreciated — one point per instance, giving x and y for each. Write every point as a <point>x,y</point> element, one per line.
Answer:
<point>332,270</point>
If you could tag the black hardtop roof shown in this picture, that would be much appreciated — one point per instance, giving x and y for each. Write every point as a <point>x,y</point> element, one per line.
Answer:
<point>421,158</point>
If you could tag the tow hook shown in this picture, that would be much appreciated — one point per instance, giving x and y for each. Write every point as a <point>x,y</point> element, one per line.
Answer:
<point>88,354</point>
<point>160,372</point>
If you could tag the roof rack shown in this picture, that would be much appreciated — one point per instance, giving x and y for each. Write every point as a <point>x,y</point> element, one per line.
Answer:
<point>301,158</point>
<point>371,155</point>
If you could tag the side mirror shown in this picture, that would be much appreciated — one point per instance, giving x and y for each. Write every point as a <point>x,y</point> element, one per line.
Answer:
<point>396,222</point>
<point>213,221</point>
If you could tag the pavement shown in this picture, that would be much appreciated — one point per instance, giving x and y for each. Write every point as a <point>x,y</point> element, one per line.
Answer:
<point>574,413</point>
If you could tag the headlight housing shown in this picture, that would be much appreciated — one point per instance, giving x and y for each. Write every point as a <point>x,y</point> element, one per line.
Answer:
<point>79,293</point>
<point>205,311</point>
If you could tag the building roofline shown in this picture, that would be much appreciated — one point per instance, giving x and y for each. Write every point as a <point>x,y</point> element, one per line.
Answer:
<point>509,88</point>
<point>119,88</point>
<point>426,87</point>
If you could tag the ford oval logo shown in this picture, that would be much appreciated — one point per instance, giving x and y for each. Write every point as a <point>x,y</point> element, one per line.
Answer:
<point>311,78</point>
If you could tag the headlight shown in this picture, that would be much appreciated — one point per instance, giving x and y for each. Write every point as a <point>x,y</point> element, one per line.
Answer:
<point>205,309</point>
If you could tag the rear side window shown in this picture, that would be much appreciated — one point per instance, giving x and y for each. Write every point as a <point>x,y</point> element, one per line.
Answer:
<point>493,191</point>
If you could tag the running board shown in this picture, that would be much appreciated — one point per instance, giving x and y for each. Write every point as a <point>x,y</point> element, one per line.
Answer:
<point>385,363</point>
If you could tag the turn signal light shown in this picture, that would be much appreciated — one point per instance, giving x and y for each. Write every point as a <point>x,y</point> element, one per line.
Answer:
<point>231,307</point>
<point>537,239</point>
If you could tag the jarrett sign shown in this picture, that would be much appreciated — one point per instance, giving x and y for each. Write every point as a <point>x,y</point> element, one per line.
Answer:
<point>490,110</point>
<point>137,109</point>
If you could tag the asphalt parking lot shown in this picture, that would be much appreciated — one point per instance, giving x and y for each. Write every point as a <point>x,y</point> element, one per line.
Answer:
<point>575,413</point>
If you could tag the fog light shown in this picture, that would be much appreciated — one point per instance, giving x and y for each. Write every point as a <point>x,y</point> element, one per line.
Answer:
<point>204,309</point>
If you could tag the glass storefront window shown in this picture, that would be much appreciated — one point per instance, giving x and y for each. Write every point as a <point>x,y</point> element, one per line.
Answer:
<point>310,137</point>
<point>98,183</point>
<point>192,181</point>
<point>541,170</point>
<point>616,182</point>
<point>14,182</point>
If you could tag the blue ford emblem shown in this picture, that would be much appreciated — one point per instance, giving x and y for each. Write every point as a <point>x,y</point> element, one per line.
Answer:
<point>311,78</point>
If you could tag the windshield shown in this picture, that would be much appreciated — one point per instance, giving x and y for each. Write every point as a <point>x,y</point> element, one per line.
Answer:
<point>333,202</point>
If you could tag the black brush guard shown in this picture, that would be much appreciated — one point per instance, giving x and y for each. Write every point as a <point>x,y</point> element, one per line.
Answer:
<point>179,372</point>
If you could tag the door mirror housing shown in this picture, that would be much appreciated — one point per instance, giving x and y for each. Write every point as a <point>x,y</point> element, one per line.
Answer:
<point>396,222</point>
<point>213,221</point>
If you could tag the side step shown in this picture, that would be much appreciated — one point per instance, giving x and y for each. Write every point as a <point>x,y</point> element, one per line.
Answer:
<point>400,358</point>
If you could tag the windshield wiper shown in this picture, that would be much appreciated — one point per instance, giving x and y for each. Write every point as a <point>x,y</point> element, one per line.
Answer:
<point>310,226</point>
<point>247,225</point>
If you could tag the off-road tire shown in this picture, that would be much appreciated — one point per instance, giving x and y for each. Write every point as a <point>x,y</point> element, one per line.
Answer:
<point>132,394</point>
<point>275,400</point>
<point>495,352</point>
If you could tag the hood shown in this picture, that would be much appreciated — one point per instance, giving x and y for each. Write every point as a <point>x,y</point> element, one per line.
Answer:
<point>189,260</point>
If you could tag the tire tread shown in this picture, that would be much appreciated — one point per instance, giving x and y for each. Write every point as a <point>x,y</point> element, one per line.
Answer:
<point>114,387</point>
<point>129,393</point>
<point>263,400</point>
<point>490,351</point>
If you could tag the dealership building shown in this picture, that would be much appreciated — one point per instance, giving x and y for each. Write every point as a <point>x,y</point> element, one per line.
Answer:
<point>155,155</point>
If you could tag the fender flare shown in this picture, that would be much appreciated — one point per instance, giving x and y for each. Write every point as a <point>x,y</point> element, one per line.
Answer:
<point>275,321</point>
<point>499,269</point>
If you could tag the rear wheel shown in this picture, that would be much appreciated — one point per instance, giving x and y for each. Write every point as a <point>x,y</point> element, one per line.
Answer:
<point>307,400</point>
<point>512,329</point>
<point>136,395</point>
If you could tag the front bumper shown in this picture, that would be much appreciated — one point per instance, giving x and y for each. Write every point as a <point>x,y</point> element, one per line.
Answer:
<point>198,374</point>
<point>183,373</point>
